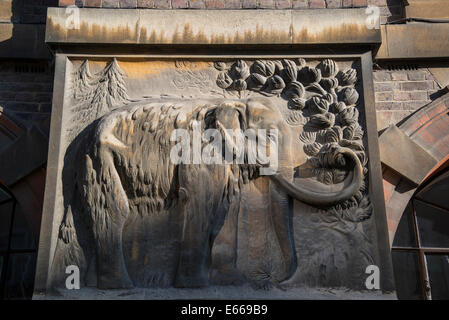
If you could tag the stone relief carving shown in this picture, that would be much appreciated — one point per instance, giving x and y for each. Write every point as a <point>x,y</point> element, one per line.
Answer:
<point>133,218</point>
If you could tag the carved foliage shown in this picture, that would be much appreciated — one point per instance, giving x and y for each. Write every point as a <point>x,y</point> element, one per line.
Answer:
<point>95,95</point>
<point>322,98</point>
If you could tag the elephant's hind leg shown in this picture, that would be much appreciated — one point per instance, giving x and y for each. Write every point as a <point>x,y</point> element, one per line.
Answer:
<point>109,210</point>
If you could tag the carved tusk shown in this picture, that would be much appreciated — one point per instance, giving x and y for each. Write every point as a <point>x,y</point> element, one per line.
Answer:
<point>326,198</point>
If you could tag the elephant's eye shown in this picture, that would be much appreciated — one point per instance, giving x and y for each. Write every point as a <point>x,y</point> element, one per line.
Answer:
<point>257,119</point>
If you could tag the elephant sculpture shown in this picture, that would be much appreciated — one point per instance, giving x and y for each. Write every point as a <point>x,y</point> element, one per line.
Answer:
<point>123,168</point>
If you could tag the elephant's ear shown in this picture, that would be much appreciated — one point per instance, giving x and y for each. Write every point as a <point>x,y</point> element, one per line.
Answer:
<point>210,117</point>
<point>241,108</point>
<point>238,106</point>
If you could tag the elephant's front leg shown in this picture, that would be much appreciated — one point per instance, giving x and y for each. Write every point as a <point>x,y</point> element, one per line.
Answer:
<point>194,261</point>
<point>281,215</point>
<point>202,216</point>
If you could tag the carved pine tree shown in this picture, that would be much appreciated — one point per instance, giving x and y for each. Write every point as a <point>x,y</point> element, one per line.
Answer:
<point>94,96</point>
<point>82,82</point>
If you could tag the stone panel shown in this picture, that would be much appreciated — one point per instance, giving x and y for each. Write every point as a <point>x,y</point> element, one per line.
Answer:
<point>200,225</point>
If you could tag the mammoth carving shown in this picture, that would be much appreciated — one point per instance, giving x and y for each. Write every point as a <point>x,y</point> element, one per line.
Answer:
<point>123,169</point>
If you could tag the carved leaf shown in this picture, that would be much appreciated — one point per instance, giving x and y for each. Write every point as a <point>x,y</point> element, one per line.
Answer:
<point>221,66</point>
<point>309,75</point>
<point>312,149</point>
<point>349,77</point>
<point>318,105</point>
<point>257,81</point>
<point>224,81</point>
<point>275,84</point>
<point>296,103</point>
<point>240,85</point>
<point>334,134</point>
<point>329,83</point>
<point>240,70</point>
<point>294,90</point>
<point>349,96</point>
<point>353,132</point>
<point>329,68</point>
<point>349,116</point>
<point>294,118</point>
<point>307,137</point>
<point>352,144</point>
<point>290,71</point>
<point>301,63</point>
<point>323,121</point>
<point>337,107</point>
<point>264,68</point>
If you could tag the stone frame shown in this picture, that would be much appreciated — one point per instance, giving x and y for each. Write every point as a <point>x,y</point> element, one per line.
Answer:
<point>49,229</point>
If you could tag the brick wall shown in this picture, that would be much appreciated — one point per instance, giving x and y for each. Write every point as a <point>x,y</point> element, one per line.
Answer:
<point>399,93</point>
<point>26,91</point>
<point>29,11</point>
<point>390,9</point>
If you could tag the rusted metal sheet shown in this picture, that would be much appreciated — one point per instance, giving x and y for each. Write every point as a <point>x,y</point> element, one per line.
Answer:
<point>404,156</point>
<point>209,26</point>
<point>414,41</point>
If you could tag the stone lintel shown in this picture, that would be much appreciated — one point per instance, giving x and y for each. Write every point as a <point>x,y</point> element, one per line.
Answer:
<point>404,156</point>
<point>427,9</point>
<point>199,27</point>
<point>414,41</point>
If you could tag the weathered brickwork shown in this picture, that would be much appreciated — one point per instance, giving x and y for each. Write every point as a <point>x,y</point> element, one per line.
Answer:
<point>390,10</point>
<point>26,91</point>
<point>399,93</point>
<point>29,12</point>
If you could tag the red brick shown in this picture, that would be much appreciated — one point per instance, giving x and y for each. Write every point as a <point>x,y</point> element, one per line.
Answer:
<point>417,85</point>
<point>249,4</point>
<point>111,4</point>
<point>416,75</point>
<point>347,3</point>
<point>215,4</point>
<point>359,3</point>
<point>65,3</point>
<point>283,4</point>
<point>388,105</point>
<point>386,86</point>
<point>317,4</point>
<point>381,75</point>
<point>197,4</point>
<point>384,96</point>
<point>299,4</point>
<point>145,3</point>
<point>128,4</point>
<point>399,76</point>
<point>162,4</point>
<point>378,3</point>
<point>233,4</point>
<point>333,3</point>
<point>180,4</point>
<point>92,3</point>
<point>267,4</point>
